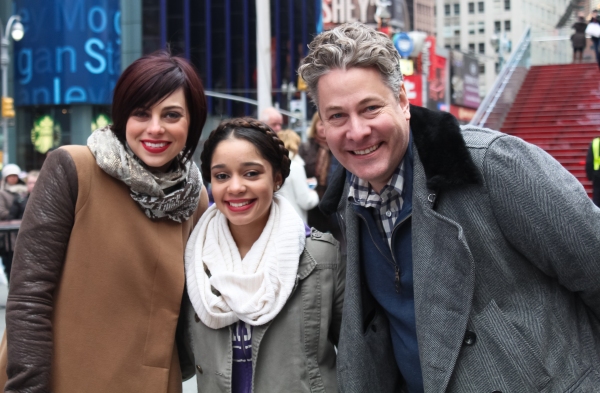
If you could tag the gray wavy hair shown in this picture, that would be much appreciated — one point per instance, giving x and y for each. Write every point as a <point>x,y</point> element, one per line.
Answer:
<point>351,45</point>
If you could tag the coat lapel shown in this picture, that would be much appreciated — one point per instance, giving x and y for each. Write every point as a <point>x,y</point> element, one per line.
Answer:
<point>444,281</point>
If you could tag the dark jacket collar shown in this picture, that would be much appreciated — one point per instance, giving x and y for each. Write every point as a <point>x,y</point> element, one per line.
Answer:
<point>442,152</point>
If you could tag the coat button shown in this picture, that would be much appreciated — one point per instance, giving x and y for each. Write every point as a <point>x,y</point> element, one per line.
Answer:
<point>388,214</point>
<point>199,369</point>
<point>470,338</point>
<point>196,317</point>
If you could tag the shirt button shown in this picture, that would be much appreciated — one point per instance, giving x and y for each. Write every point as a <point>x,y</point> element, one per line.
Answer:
<point>388,214</point>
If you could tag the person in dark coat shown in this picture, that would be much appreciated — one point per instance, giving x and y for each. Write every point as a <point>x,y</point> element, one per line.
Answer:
<point>578,38</point>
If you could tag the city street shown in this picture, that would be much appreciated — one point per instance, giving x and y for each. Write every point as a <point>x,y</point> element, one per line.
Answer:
<point>188,386</point>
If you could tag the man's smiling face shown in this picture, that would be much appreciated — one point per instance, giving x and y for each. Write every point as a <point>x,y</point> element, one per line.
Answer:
<point>366,126</point>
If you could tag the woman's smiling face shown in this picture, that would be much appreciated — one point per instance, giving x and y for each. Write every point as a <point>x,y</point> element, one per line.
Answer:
<point>243,183</point>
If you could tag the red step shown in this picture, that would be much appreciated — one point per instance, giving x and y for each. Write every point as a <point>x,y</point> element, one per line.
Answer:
<point>558,109</point>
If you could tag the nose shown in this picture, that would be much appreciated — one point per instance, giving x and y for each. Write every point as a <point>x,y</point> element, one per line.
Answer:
<point>155,125</point>
<point>236,185</point>
<point>359,128</point>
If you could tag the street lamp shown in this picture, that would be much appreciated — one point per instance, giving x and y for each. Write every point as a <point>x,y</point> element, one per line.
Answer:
<point>15,29</point>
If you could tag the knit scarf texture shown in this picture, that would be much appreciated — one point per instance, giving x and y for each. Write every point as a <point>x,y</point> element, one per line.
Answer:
<point>223,287</point>
<point>174,194</point>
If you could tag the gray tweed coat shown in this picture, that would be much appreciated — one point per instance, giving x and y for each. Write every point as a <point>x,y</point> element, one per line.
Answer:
<point>506,255</point>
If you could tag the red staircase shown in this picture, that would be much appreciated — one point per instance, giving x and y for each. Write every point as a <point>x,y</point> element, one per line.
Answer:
<point>558,109</point>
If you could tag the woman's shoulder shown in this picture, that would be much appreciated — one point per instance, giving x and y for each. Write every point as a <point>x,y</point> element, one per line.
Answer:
<point>323,249</point>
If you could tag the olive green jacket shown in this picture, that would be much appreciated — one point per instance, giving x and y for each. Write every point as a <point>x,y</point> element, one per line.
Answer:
<point>292,353</point>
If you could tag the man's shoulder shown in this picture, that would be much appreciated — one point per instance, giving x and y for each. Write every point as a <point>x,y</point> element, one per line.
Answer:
<point>478,137</point>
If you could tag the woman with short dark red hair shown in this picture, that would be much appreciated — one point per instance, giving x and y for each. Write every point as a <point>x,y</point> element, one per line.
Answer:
<point>98,271</point>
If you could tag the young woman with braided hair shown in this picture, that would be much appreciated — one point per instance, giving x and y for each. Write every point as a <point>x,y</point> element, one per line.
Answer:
<point>265,299</point>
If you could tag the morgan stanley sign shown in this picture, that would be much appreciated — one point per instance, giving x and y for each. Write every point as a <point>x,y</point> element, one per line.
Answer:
<point>70,54</point>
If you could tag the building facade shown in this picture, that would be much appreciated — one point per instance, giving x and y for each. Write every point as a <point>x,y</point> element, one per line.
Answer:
<point>491,29</point>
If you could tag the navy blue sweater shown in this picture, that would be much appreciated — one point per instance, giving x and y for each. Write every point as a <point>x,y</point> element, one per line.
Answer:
<point>379,267</point>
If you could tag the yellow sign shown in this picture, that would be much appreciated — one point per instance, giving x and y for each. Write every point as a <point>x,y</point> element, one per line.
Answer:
<point>407,67</point>
<point>301,84</point>
<point>8,110</point>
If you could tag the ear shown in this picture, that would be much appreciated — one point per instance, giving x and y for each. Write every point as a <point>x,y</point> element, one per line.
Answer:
<point>403,102</point>
<point>277,181</point>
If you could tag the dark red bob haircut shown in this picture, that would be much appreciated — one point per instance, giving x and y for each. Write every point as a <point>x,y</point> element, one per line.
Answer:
<point>149,80</point>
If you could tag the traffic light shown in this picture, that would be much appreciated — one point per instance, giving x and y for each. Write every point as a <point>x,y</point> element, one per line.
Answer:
<point>8,110</point>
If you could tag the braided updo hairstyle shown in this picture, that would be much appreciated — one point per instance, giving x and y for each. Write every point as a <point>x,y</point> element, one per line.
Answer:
<point>260,135</point>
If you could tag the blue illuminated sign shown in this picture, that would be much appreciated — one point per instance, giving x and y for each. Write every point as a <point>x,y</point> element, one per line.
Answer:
<point>70,54</point>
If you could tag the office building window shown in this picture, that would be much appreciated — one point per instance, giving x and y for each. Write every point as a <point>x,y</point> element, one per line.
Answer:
<point>481,48</point>
<point>471,28</point>
<point>471,8</point>
<point>457,9</point>
<point>507,5</point>
<point>497,26</point>
<point>506,25</point>
<point>472,48</point>
<point>457,46</point>
<point>480,7</point>
<point>481,27</point>
<point>482,68</point>
<point>447,9</point>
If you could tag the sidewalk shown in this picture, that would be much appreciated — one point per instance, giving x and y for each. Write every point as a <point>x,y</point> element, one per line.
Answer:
<point>188,387</point>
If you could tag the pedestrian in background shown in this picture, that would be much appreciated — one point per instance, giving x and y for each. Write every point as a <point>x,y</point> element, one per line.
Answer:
<point>265,299</point>
<point>273,118</point>
<point>593,30</point>
<point>98,274</point>
<point>12,190</point>
<point>296,189</point>
<point>592,169</point>
<point>319,164</point>
<point>578,38</point>
<point>18,207</point>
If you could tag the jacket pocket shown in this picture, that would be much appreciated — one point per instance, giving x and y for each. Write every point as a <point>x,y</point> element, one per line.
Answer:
<point>509,349</point>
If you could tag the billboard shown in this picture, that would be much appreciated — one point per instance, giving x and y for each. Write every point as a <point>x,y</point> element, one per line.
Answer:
<point>70,53</point>
<point>437,77</point>
<point>336,12</point>
<point>464,82</point>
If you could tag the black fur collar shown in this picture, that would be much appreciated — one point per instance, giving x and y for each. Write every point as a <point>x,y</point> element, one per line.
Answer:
<point>442,151</point>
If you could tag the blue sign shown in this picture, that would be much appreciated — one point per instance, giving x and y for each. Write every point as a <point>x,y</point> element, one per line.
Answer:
<point>404,44</point>
<point>70,53</point>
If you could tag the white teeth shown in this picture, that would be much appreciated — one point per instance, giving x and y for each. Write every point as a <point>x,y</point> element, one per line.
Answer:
<point>239,204</point>
<point>155,145</point>
<point>366,151</point>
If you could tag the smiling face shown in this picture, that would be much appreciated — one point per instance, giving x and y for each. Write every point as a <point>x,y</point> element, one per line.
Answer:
<point>158,134</point>
<point>366,127</point>
<point>242,184</point>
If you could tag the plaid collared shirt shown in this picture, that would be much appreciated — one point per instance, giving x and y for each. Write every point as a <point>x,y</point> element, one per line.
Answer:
<point>387,204</point>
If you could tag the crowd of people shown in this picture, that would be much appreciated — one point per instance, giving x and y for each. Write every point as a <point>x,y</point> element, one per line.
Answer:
<point>583,29</point>
<point>442,258</point>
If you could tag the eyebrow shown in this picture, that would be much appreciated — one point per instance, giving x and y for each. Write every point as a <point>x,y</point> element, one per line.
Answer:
<point>245,164</point>
<point>361,102</point>
<point>173,107</point>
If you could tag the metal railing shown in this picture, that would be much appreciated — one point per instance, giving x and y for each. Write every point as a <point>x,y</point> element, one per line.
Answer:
<point>497,102</point>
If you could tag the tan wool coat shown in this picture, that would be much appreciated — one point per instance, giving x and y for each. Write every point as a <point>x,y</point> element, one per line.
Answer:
<point>115,306</point>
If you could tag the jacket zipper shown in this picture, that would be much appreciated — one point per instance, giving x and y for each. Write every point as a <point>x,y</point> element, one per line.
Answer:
<point>393,262</point>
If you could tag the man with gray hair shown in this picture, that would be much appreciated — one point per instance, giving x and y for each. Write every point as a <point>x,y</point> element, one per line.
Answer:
<point>472,256</point>
<point>272,117</point>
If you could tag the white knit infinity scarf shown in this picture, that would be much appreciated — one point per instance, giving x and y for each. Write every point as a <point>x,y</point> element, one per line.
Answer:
<point>223,288</point>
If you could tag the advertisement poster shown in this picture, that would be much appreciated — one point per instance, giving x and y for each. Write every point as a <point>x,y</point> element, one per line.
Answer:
<point>464,80</point>
<point>70,53</point>
<point>414,88</point>
<point>437,78</point>
<point>336,12</point>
